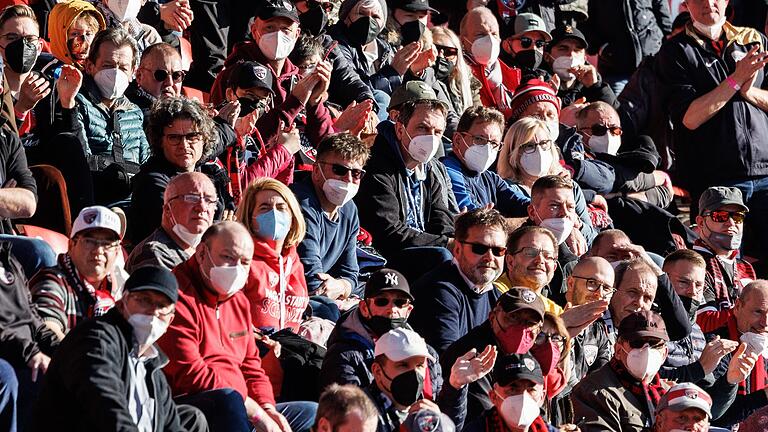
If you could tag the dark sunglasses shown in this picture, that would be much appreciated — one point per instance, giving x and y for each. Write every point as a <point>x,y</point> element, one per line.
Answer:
<point>526,42</point>
<point>447,51</point>
<point>639,343</point>
<point>481,249</point>
<point>599,130</point>
<point>161,75</point>
<point>721,216</point>
<point>384,302</point>
<point>341,170</point>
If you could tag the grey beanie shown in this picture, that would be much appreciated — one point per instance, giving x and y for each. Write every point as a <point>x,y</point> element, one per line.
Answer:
<point>347,6</point>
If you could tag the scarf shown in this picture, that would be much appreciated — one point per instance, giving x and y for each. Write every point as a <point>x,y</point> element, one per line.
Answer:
<point>651,393</point>
<point>494,423</point>
<point>99,300</point>
<point>236,163</point>
<point>741,270</point>
<point>757,378</point>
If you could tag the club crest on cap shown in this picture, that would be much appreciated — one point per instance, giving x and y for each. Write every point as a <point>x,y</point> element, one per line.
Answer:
<point>529,364</point>
<point>390,279</point>
<point>260,72</point>
<point>692,394</point>
<point>89,217</point>
<point>528,296</point>
<point>428,423</point>
<point>568,29</point>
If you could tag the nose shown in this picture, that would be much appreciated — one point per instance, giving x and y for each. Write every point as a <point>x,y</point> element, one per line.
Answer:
<point>168,81</point>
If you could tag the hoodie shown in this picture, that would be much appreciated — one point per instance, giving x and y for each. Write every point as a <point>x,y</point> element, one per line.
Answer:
<point>61,17</point>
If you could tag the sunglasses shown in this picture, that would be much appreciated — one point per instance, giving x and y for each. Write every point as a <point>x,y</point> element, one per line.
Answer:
<point>599,130</point>
<point>447,51</point>
<point>341,170</point>
<point>722,216</point>
<point>384,302</point>
<point>161,75</point>
<point>532,252</point>
<point>526,42</point>
<point>481,249</point>
<point>639,343</point>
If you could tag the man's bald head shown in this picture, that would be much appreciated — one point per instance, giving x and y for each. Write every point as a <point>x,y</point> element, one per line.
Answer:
<point>228,231</point>
<point>754,288</point>
<point>751,309</point>
<point>155,60</point>
<point>596,269</point>
<point>477,23</point>
<point>186,183</point>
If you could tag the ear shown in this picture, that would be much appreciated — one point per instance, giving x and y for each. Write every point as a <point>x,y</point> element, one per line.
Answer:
<point>531,212</point>
<point>230,94</point>
<point>90,68</point>
<point>363,306</point>
<point>399,132</point>
<point>699,220</point>
<point>323,425</point>
<point>569,294</point>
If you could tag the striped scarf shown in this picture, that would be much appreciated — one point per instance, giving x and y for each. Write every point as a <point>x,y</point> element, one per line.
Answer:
<point>651,393</point>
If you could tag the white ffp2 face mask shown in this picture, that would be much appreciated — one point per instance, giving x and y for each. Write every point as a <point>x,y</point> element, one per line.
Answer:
<point>519,411</point>
<point>560,227</point>
<point>147,329</point>
<point>276,45</point>
<point>711,31</point>
<point>124,10</point>
<point>538,163</point>
<point>485,50</point>
<point>644,363</point>
<point>606,143</point>
<point>227,280</point>
<point>111,82</point>
<point>561,66</point>
<point>339,192</point>
<point>423,147</point>
<point>479,157</point>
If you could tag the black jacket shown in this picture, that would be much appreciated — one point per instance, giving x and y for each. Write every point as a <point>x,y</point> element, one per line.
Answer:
<point>379,75</point>
<point>624,32</point>
<point>346,85</point>
<point>87,383</point>
<point>13,166</point>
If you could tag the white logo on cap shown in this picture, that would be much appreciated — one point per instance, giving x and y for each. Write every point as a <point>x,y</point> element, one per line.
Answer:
<point>693,394</point>
<point>260,72</point>
<point>529,296</point>
<point>529,364</point>
<point>390,279</point>
<point>287,5</point>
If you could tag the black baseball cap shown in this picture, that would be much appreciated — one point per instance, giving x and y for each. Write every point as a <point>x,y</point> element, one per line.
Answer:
<point>158,279</point>
<point>411,5</point>
<point>250,74</point>
<point>512,367</point>
<point>386,280</point>
<point>522,298</point>
<point>278,8</point>
<point>643,324</point>
<point>568,32</point>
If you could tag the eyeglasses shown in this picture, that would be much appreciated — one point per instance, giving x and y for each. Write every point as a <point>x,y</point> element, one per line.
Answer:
<point>147,304</point>
<point>594,284</point>
<point>12,37</point>
<point>722,216</point>
<point>192,137</point>
<point>530,147</point>
<point>532,252</point>
<point>526,42</point>
<point>481,249</point>
<point>640,343</point>
<point>92,243</point>
<point>599,130</point>
<point>554,337</point>
<point>480,140</point>
<point>384,302</point>
<point>161,75</point>
<point>341,170</point>
<point>196,199</point>
<point>447,51</point>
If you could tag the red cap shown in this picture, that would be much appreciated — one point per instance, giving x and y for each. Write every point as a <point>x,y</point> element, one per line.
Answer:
<point>533,91</point>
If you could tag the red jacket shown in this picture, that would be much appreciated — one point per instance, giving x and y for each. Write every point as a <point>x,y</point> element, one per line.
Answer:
<point>210,344</point>
<point>273,278</point>
<point>510,78</point>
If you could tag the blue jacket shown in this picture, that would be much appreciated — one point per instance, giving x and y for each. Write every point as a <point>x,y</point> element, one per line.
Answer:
<point>329,246</point>
<point>473,190</point>
<point>594,175</point>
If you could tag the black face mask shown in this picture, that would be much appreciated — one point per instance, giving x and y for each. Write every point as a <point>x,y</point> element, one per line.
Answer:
<point>248,105</point>
<point>314,20</point>
<point>528,59</point>
<point>380,324</point>
<point>407,388</point>
<point>363,31</point>
<point>443,68</point>
<point>21,55</point>
<point>412,31</point>
<point>691,305</point>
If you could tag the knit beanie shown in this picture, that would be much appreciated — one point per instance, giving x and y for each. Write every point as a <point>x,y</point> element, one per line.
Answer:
<point>533,91</point>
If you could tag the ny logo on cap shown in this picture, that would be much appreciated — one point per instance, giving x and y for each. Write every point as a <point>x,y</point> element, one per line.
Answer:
<point>390,279</point>
<point>260,72</point>
<point>529,296</point>
<point>89,217</point>
<point>568,29</point>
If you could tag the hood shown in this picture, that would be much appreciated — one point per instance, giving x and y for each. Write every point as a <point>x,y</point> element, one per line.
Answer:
<point>263,252</point>
<point>61,17</point>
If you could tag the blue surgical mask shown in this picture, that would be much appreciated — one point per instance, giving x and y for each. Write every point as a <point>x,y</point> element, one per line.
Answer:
<point>274,224</point>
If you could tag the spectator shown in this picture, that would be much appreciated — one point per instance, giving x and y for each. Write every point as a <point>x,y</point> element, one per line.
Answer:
<point>623,36</point>
<point>402,201</point>
<point>623,394</point>
<point>329,250</point>
<point>685,405</point>
<point>159,74</point>
<point>407,21</point>
<point>9,392</point>
<point>457,295</point>
<point>188,205</point>
<point>451,69</point>
<point>479,34</point>
<point>345,408</point>
<point>123,14</point>
<point>111,62</point>
<point>181,136</point>
<point>477,142</point>
<point>721,227</point>
<point>71,28</point>
<point>276,288</point>
<point>225,381</point>
<point>111,364</point>
<point>85,282</point>
<point>578,79</point>
<point>524,49</point>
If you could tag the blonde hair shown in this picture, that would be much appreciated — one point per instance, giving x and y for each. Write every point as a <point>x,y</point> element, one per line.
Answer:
<point>458,82</point>
<point>248,205</point>
<point>521,132</point>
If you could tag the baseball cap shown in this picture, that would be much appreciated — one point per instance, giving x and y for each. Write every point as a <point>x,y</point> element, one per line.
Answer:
<point>157,279</point>
<point>400,344</point>
<point>532,91</point>
<point>518,298</point>
<point>719,196</point>
<point>411,91</point>
<point>643,324</point>
<point>427,420</point>
<point>96,217</point>
<point>568,32</point>
<point>686,395</point>
<point>386,280</point>
<point>278,8</point>
<point>250,74</point>
<point>526,22</point>
<point>411,5</point>
<point>513,367</point>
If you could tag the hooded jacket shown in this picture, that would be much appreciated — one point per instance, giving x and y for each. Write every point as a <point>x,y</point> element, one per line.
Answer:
<point>276,288</point>
<point>61,18</point>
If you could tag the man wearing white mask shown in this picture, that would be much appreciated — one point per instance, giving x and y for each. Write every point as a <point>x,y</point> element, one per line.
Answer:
<point>476,145</point>
<point>112,362</point>
<point>189,204</point>
<point>329,250</point>
<point>226,381</point>
<point>479,34</point>
<point>554,208</point>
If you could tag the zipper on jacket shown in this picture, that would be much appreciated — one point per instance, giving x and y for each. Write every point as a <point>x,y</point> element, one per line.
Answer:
<point>218,322</point>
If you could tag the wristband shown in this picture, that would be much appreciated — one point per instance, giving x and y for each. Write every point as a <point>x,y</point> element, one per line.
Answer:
<point>732,83</point>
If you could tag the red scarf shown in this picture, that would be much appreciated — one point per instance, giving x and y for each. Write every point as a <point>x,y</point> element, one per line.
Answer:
<point>235,165</point>
<point>651,392</point>
<point>757,378</point>
<point>741,270</point>
<point>494,423</point>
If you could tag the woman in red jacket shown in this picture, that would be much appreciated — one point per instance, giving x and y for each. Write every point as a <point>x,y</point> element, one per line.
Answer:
<point>276,286</point>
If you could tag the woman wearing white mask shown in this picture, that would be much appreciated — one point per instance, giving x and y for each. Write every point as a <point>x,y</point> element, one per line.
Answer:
<point>529,153</point>
<point>276,287</point>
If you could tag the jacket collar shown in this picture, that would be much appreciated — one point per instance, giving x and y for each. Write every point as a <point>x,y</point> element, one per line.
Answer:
<point>115,317</point>
<point>191,269</point>
<point>733,34</point>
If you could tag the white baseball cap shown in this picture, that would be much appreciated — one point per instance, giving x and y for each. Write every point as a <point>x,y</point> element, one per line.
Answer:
<point>96,217</point>
<point>400,344</point>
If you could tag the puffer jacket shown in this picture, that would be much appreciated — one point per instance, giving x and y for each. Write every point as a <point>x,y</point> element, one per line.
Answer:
<point>379,75</point>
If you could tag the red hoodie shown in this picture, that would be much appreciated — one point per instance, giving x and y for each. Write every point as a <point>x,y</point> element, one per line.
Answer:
<point>210,344</point>
<point>276,287</point>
